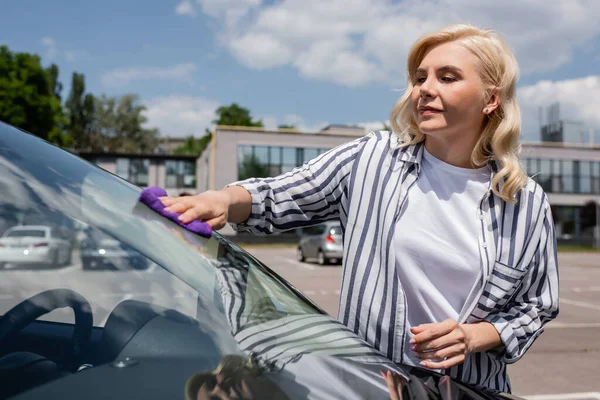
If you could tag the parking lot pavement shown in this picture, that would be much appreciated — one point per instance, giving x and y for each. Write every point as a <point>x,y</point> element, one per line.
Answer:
<point>564,362</point>
<point>320,283</point>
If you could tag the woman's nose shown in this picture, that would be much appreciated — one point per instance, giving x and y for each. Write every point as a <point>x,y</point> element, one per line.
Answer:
<point>427,88</point>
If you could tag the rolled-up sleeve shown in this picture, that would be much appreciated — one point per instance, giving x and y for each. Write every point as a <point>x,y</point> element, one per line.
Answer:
<point>306,195</point>
<point>522,320</point>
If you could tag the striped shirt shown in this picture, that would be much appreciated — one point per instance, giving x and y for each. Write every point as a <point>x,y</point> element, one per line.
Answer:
<point>364,184</point>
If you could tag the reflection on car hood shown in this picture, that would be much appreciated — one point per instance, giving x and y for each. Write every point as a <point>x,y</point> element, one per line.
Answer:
<point>311,377</point>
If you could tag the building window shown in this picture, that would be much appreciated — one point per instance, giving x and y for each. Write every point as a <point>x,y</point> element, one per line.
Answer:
<point>138,171</point>
<point>567,176</point>
<point>180,174</point>
<point>584,177</point>
<point>595,177</point>
<point>263,161</point>
<point>309,154</point>
<point>123,168</point>
<point>288,159</point>
<point>545,176</point>
<point>134,170</point>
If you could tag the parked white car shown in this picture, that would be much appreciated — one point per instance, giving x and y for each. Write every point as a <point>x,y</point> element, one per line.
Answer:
<point>34,245</point>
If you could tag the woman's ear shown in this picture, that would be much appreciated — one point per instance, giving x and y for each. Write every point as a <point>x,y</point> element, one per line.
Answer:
<point>493,101</point>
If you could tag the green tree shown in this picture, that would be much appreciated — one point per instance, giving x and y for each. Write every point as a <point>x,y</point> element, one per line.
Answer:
<point>55,85</point>
<point>120,122</point>
<point>28,94</point>
<point>286,127</point>
<point>251,167</point>
<point>192,146</point>
<point>81,115</point>
<point>234,115</point>
<point>60,135</point>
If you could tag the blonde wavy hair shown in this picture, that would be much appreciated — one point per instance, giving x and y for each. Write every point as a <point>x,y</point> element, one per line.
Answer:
<point>499,72</point>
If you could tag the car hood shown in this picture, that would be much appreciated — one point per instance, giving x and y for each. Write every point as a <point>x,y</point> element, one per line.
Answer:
<point>310,377</point>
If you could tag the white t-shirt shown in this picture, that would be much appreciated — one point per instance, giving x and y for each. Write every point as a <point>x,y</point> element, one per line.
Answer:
<point>436,243</point>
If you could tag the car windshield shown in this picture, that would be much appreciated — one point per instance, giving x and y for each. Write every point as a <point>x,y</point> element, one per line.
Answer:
<point>99,212</point>
<point>25,233</point>
<point>152,291</point>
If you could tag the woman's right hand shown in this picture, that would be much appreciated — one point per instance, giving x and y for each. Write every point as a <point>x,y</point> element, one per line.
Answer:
<point>211,207</point>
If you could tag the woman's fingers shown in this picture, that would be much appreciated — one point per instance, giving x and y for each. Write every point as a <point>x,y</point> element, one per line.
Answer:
<point>428,332</point>
<point>191,214</point>
<point>216,223</point>
<point>210,207</point>
<point>177,207</point>
<point>394,383</point>
<point>167,201</point>
<point>446,352</point>
<point>447,363</point>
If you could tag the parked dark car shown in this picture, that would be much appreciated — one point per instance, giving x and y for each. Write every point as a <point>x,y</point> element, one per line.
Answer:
<point>322,242</point>
<point>209,317</point>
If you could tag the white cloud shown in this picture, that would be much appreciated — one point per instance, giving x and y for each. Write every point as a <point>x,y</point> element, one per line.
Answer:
<point>356,42</point>
<point>335,61</point>
<point>217,8</point>
<point>232,11</point>
<point>185,8</point>
<point>579,100</point>
<point>181,115</point>
<point>69,56</point>
<point>50,46</point>
<point>123,76</point>
<point>260,51</point>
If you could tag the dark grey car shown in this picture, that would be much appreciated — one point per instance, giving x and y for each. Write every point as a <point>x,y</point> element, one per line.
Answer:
<point>321,242</point>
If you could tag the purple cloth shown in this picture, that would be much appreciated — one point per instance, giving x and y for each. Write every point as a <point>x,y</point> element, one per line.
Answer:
<point>150,197</point>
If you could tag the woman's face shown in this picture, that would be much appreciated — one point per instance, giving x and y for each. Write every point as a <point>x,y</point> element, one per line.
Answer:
<point>448,96</point>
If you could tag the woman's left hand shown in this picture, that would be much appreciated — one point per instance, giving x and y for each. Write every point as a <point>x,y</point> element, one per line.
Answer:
<point>446,341</point>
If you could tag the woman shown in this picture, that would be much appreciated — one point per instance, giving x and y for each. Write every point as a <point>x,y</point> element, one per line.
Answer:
<point>449,249</point>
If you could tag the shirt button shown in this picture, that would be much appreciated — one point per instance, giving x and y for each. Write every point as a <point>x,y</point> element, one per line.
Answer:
<point>481,216</point>
<point>484,245</point>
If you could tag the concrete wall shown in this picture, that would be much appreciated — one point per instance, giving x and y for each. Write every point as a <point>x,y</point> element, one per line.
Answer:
<point>110,166</point>
<point>203,170</point>
<point>153,173</point>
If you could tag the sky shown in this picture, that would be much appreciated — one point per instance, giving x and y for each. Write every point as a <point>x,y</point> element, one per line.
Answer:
<point>308,63</point>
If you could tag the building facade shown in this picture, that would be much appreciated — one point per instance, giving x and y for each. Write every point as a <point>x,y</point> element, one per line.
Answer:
<point>570,174</point>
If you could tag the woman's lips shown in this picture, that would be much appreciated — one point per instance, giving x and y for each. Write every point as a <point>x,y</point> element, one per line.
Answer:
<point>428,111</point>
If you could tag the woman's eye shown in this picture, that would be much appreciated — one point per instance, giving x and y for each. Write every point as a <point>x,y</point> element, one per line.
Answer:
<point>448,79</point>
<point>421,79</point>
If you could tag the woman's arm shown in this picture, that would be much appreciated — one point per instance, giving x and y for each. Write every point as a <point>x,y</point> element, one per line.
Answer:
<point>304,196</point>
<point>509,332</point>
<point>301,197</point>
<point>536,303</point>
<point>240,204</point>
